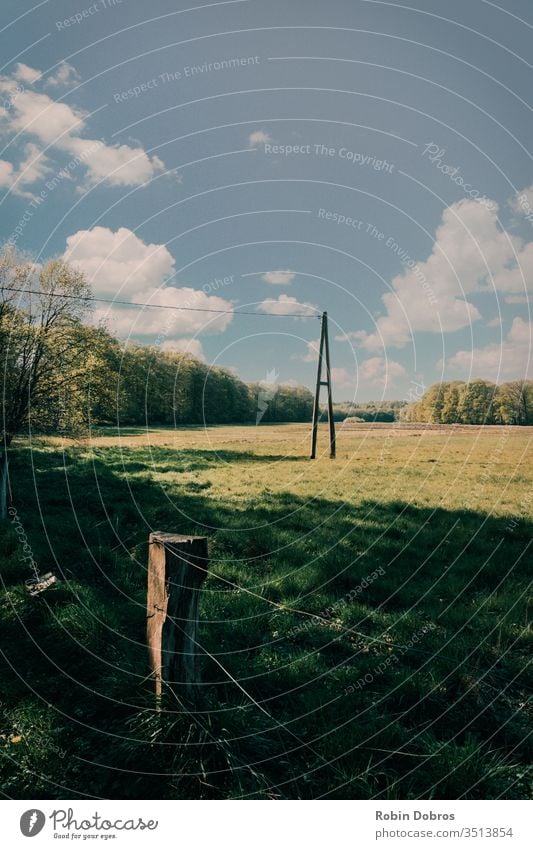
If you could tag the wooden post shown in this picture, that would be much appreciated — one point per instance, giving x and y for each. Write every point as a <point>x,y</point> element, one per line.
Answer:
<point>323,353</point>
<point>177,567</point>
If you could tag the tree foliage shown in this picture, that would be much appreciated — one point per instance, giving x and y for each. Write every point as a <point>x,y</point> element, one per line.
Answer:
<point>148,386</point>
<point>43,344</point>
<point>372,411</point>
<point>475,402</point>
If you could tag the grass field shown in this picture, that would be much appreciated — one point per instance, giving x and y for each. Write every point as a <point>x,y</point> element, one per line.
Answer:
<point>410,681</point>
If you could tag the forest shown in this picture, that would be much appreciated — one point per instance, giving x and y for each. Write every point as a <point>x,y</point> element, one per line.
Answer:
<point>476,402</point>
<point>369,411</point>
<point>473,402</point>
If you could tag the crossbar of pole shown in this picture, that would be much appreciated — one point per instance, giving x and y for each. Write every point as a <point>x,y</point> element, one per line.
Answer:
<point>323,354</point>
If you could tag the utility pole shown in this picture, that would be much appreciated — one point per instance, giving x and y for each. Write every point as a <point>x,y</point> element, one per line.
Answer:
<point>323,353</point>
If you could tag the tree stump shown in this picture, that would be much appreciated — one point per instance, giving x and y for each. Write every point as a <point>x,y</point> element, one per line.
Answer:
<point>177,567</point>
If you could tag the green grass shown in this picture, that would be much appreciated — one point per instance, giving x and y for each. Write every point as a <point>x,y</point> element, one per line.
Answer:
<point>413,686</point>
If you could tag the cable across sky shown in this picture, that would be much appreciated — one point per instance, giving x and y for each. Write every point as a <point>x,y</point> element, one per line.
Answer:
<point>113,301</point>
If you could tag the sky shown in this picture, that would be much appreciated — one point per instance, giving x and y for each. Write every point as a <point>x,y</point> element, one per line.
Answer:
<point>369,159</point>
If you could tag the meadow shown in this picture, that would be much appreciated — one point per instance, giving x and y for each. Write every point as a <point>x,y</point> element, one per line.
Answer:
<point>365,626</point>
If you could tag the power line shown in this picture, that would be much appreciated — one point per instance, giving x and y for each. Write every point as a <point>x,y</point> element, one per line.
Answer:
<point>158,306</point>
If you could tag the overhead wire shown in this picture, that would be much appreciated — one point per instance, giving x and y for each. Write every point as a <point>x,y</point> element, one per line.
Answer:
<point>114,301</point>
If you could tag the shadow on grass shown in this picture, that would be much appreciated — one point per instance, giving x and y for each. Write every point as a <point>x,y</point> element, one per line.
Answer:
<point>447,604</point>
<point>161,459</point>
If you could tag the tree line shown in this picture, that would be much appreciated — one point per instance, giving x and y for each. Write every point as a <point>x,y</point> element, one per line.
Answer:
<point>474,402</point>
<point>142,385</point>
<point>370,411</point>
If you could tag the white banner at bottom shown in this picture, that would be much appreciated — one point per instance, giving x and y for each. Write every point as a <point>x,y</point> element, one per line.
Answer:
<point>253,825</point>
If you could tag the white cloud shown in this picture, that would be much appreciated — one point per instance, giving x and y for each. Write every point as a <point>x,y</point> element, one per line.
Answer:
<point>495,322</point>
<point>52,123</point>
<point>28,171</point>
<point>522,201</point>
<point>470,254</point>
<point>286,305</point>
<point>60,125</point>
<point>341,378</point>
<point>258,137</point>
<point>521,332</point>
<point>24,74</point>
<point>279,278</point>
<point>311,356</point>
<point>185,346</point>
<point>120,265</point>
<point>509,359</point>
<point>126,321</point>
<point>351,336</point>
<point>516,299</point>
<point>380,371</point>
<point>6,173</point>
<point>65,75</point>
<point>35,166</point>
<point>119,165</point>
<point>376,371</point>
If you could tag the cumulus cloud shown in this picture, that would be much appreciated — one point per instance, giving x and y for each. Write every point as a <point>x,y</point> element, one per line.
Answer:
<point>471,254</point>
<point>32,168</point>
<point>65,75</point>
<point>120,265</point>
<point>341,378</point>
<point>311,355</point>
<point>60,126</point>
<point>24,74</point>
<point>286,305</point>
<point>258,137</point>
<point>279,278</point>
<point>37,114</point>
<point>376,372</point>
<point>185,346</point>
<point>516,299</point>
<point>522,201</point>
<point>119,262</point>
<point>172,319</point>
<point>505,360</point>
<point>380,371</point>
<point>351,336</point>
<point>118,165</point>
<point>6,173</point>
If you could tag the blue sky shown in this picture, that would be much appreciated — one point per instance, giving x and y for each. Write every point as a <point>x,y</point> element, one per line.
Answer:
<point>368,158</point>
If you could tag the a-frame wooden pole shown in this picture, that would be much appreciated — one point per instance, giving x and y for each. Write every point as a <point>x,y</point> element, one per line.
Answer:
<point>331,420</point>
<point>316,404</point>
<point>323,353</point>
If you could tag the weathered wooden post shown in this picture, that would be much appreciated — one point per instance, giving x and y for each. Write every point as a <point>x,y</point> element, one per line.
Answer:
<point>177,567</point>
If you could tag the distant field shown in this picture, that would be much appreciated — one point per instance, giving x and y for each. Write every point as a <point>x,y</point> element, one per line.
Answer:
<point>411,549</point>
<point>454,466</point>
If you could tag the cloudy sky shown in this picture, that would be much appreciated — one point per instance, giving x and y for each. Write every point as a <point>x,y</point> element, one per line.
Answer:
<point>363,157</point>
